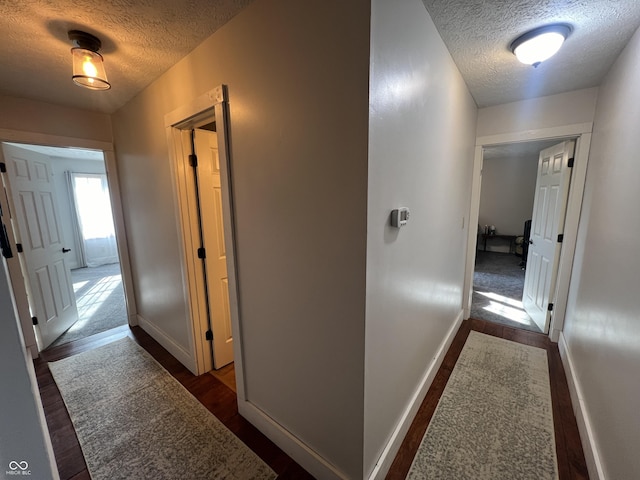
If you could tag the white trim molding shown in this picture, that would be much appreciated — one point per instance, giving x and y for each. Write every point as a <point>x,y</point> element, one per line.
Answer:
<point>179,352</point>
<point>587,437</point>
<point>400,431</point>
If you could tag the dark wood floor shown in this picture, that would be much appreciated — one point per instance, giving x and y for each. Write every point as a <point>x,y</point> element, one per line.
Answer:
<point>221,401</point>
<point>571,462</point>
<point>212,393</point>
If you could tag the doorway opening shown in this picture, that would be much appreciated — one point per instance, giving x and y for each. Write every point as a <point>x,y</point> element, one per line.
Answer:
<point>545,296</point>
<point>64,229</point>
<point>197,137</point>
<point>507,195</point>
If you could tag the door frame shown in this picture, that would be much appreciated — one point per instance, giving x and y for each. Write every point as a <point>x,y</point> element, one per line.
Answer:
<point>19,294</point>
<point>178,123</point>
<point>582,134</point>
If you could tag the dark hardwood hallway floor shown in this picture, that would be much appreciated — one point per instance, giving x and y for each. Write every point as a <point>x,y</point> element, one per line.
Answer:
<point>571,462</point>
<point>221,401</point>
<point>212,393</point>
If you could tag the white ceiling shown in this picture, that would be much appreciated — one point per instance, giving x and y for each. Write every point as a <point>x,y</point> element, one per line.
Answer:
<point>517,150</point>
<point>143,38</point>
<point>478,34</point>
<point>60,152</point>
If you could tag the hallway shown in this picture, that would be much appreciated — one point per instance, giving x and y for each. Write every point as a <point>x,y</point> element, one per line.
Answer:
<point>570,456</point>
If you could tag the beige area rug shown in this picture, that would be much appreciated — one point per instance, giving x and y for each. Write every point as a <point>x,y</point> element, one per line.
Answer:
<point>494,420</point>
<point>134,420</point>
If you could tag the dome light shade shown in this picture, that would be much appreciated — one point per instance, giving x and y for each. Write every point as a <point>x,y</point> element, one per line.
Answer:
<point>540,44</point>
<point>88,66</point>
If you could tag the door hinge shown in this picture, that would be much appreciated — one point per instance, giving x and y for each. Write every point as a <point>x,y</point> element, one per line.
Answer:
<point>561,238</point>
<point>202,253</point>
<point>19,248</point>
<point>193,160</point>
<point>550,307</point>
<point>3,167</point>
<point>571,162</point>
<point>208,335</point>
<point>34,320</point>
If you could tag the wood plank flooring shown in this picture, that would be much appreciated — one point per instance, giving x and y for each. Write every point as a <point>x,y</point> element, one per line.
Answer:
<point>212,393</point>
<point>571,462</point>
<point>221,401</point>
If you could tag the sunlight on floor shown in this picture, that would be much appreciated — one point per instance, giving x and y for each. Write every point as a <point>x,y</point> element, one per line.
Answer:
<point>506,307</point>
<point>502,299</point>
<point>92,299</point>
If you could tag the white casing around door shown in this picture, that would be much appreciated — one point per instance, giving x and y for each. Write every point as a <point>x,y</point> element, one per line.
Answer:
<point>206,143</point>
<point>549,208</point>
<point>50,289</point>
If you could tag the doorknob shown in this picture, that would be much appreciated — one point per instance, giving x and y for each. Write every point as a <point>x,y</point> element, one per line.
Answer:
<point>66,250</point>
<point>530,242</point>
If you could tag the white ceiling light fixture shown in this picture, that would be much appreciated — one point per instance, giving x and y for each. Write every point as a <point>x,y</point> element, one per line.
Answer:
<point>88,67</point>
<point>540,44</point>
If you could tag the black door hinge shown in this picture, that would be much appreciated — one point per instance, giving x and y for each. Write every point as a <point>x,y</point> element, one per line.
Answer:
<point>19,248</point>
<point>208,335</point>
<point>193,160</point>
<point>202,253</point>
<point>550,307</point>
<point>561,238</point>
<point>3,167</point>
<point>571,162</point>
<point>34,320</point>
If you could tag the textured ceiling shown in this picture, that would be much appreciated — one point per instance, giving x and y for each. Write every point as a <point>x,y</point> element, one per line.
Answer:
<point>478,34</point>
<point>517,150</point>
<point>58,152</point>
<point>141,39</point>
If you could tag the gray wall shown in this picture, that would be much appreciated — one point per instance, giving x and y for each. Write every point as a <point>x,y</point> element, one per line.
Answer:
<point>422,123</point>
<point>297,74</point>
<point>506,198</point>
<point>23,433</point>
<point>602,326</point>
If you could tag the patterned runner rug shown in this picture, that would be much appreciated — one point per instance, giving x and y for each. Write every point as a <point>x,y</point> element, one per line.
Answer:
<point>494,419</point>
<point>134,420</point>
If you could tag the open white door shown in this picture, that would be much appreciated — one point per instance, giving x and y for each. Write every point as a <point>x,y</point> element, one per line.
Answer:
<point>549,207</point>
<point>50,289</point>
<point>206,143</point>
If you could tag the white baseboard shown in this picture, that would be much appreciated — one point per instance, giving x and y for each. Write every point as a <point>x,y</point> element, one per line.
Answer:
<point>289,443</point>
<point>182,355</point>
<point>589,445</point>
<point>395,441</point>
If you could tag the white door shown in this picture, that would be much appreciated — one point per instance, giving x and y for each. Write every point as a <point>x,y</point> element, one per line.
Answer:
<point>216,258</point>
<point>549,207</point>
<point>50,288</point>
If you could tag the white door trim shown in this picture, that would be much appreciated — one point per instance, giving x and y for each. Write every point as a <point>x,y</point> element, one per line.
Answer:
<point>211,103</point>
<point>582,133</point>
<point>35,138</point>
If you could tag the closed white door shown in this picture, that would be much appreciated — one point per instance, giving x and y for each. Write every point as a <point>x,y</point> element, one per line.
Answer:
<point>50,289</point>
<point>206,143</point>
<point>549,207</point>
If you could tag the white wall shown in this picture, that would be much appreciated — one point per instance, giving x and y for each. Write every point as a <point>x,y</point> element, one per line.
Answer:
<point>422,124</point>
<point>45,118</point>
<point>23,432</point>
<point>60,166</point>
<point>602,326</point>
<point>297,74</point>
<point>506,198</point>
<point>538,113</point>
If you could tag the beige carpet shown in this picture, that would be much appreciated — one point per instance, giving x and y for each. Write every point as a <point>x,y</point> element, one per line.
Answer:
<point>494,420</point>
<point>134,420</point>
